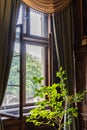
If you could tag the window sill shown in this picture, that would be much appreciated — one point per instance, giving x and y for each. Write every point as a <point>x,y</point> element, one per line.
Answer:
<point>15,113</point>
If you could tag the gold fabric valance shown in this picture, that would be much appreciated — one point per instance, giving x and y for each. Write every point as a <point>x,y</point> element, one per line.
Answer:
<point>47,6</point>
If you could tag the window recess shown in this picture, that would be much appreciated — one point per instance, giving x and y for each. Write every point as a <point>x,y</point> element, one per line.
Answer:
<point>31,58</point>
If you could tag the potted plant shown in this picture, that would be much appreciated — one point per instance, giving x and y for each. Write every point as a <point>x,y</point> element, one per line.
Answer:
<point>56,105</point>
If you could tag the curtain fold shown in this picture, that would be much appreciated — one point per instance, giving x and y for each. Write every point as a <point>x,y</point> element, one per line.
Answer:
<point>8,18</point>
<point>64,40</point>
<point>47,6</point>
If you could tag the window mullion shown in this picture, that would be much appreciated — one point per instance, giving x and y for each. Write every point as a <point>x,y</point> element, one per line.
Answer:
<point>22,73</point>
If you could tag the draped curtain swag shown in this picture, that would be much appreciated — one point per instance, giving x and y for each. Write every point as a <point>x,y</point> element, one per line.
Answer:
<point>47,6</point>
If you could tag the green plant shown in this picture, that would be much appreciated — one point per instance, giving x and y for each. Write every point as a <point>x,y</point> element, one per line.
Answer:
<point>57,103</point>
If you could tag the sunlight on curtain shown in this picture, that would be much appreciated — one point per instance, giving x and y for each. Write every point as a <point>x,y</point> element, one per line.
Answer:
<point>47,6</point>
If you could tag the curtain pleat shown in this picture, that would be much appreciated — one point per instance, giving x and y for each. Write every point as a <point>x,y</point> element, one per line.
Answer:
<point>64,40</point>
<point>8,17</point>
<point>47,6</point>
<point>63,33</point>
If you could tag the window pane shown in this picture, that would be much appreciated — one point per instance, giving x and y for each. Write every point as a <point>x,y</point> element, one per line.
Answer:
<point>19,21</point>
<point>12,90</point>
<point>15,67</point>
<point>14,72</point>
<point>11,96</point>
<point>17,49</point>
<point>18,35</point>
<point>34,67</point>
<point>38,23</point>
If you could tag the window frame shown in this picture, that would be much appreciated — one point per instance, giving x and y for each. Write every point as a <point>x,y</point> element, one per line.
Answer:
<point>44,41</point>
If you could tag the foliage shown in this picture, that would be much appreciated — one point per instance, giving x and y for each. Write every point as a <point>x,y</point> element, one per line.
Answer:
<point>33,68</point>
<point>32,63</point>
<point>52,109</point>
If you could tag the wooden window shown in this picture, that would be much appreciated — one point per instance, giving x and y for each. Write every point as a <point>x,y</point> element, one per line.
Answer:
<point>30,59</point>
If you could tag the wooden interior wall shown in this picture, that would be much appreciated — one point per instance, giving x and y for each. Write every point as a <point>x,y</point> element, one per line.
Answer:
<point>80,61</point>
<point>14,124</point>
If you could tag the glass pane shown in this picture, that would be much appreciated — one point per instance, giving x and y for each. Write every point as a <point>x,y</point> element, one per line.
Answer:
<point>19,21</point>
<point>12,90</point>
<point>38,24</point>
<point>16,49</point>
<point>14,72</point>
<point>34,67</point>
<point>17,34</point>
<point>11,96</point>
<point>15,67</point>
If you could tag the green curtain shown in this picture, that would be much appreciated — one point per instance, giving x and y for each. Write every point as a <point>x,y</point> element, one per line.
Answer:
<point>64,40</point>
<point>8,18</point>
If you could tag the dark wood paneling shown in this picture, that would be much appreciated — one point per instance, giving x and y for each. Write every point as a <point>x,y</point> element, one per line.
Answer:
<point>78,22</point>
<point>81,83</point>
<point>81,68</point>
<point>17,124</point>
<point>11,124</point>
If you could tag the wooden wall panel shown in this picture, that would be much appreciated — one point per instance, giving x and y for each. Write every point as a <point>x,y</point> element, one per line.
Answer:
<point>78,22</point>
<point>15,124</point>
<point>81,83</point>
